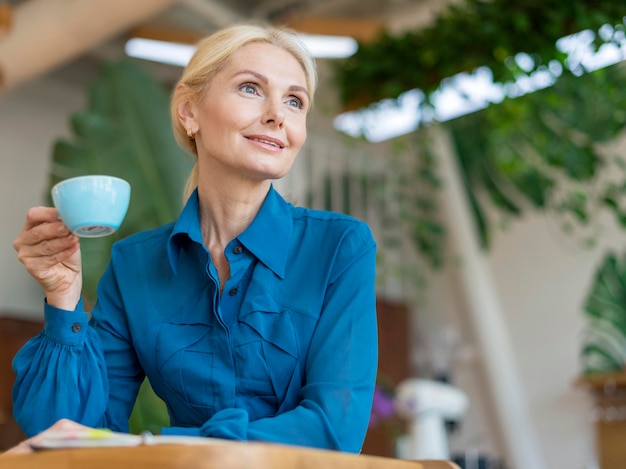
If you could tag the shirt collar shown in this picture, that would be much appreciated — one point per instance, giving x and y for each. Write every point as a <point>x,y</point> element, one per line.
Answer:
<point>267,237</point>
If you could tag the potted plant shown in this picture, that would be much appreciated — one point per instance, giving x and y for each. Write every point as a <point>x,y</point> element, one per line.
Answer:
<point>604,342</point>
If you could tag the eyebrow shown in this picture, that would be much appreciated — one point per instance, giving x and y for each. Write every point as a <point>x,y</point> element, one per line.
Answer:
<point>264,79</point>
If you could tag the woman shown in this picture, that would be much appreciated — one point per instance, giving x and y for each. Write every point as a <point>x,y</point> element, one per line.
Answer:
<point>253,319</point>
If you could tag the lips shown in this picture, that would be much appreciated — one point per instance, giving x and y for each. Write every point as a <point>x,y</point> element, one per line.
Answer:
<point>268,141</point>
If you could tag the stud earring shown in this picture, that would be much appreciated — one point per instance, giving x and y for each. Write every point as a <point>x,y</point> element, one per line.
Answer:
<point>190,135</point>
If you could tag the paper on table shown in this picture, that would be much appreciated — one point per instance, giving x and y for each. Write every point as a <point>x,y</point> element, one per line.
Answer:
<point>97,438</point>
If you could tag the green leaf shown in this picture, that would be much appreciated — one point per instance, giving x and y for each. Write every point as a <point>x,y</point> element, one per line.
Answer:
<point>604,345</point>
<point>149,413</point>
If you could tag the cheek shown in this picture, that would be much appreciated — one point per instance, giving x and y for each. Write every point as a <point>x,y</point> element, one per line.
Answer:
<point>221,117</point>
<point>298,135</point>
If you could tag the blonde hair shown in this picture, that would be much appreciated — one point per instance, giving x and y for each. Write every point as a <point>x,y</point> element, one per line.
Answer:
<point>212,53</point>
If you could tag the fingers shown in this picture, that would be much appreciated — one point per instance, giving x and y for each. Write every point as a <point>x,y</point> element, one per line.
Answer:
<point>51,254</point>
<point>45,245</point>
<point>38,215</point>
<point>61,425</point>
<point>42,223</point>
<point>22,448</point>
<point>44,235</point>
<point>66,425</point>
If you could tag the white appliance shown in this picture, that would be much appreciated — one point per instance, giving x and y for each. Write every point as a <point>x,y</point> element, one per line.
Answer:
<point>427,404</point>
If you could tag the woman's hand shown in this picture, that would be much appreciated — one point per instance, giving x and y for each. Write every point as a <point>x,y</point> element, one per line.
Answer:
<point>51,254</point>
<point>62,425</point>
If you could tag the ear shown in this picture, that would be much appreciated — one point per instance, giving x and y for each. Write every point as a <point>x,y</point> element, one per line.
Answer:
<point>186,113</point>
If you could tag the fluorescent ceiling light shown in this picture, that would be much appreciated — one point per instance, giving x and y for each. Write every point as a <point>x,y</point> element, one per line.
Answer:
<point>171,53</point>
<point>330,47</point>
<point>179,54</point>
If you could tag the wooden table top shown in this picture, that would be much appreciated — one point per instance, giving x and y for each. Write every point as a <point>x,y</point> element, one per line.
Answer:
<point>222,455</point>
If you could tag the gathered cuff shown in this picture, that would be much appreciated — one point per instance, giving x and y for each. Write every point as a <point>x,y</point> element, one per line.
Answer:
<point>65,327</point>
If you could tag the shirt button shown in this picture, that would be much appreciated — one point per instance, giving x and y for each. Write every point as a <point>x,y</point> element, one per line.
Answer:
<point>238,250</point>
<point>76,327</point>
<point>233,291</point>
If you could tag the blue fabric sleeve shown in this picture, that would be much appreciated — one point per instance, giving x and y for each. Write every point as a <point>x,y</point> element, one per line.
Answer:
<point>60,373</point>
<point>335,402</point>
<point>230,424</point>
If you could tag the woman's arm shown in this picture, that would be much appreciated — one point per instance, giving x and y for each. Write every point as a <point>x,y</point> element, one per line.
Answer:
<point>51,368</point>
<point>63,371</point>
<point>60,373</point>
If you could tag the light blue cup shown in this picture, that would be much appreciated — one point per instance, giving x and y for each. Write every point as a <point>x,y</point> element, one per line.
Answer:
<point>92,206</point>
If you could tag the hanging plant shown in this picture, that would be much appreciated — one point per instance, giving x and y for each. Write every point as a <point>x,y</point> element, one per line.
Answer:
<point>545,151</point>
<point>465,36</point>
<point>539,150</point>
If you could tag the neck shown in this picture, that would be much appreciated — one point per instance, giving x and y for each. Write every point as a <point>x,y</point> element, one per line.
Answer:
<point>225,212</point>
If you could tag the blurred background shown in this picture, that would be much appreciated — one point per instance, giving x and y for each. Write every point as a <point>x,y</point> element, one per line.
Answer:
<point>483,142</point>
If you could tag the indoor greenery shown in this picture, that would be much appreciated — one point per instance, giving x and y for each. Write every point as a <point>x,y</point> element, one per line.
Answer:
<point>125,131</point>
<point>465,36</point>
<point>604,344</point>
<point>547,150</point>
<point>538,150</point>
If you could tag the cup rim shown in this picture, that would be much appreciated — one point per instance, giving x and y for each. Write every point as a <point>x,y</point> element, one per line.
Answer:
<point>90,176</point>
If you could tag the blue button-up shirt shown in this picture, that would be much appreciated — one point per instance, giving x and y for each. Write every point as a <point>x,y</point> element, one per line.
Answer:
<point>288,352</point>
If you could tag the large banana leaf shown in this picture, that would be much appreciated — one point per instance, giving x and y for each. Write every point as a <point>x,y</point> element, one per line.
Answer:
<point>125,131</point>
<point>604,347</point>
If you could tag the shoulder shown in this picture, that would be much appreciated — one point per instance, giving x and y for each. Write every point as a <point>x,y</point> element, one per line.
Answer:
<point>330,220</point>
<point>145,240</point>
<point>333,226</point>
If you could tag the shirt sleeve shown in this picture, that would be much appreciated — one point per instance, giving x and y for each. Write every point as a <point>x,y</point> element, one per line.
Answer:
<point>64,372</point>
<point>60,373</point>
<point>336,399</point>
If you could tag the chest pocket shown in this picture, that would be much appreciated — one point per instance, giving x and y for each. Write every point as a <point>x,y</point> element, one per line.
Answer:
<point>184,361</point>
<point>267,349</point>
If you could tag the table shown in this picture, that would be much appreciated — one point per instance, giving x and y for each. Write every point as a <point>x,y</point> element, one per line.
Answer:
<point>222,455</point>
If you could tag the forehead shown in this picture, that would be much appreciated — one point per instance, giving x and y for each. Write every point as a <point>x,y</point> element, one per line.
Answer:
<point>267,58</point>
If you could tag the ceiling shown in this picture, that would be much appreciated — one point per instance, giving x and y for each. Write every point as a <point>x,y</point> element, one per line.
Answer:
<point>40,36</point>
<point>361,17</point>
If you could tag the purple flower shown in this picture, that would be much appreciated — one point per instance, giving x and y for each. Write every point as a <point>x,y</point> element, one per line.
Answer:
<point>382,406</point>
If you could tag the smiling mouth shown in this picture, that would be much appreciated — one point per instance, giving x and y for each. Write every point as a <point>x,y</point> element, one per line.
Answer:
<point>267,142</point>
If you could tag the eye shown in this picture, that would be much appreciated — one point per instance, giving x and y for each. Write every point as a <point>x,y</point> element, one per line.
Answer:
<point>248,88</point>
<point>296,102</point>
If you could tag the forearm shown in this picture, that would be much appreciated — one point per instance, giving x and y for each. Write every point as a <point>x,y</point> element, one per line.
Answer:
<point>306,425</point>
<point>301,427</point>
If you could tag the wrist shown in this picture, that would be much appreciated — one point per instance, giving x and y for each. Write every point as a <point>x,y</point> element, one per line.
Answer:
<point>67,302</point>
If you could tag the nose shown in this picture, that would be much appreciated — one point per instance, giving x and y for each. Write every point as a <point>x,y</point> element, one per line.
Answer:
<point>274,114</point>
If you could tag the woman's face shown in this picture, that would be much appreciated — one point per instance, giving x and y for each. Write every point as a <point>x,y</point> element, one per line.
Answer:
<point>252,117</point>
